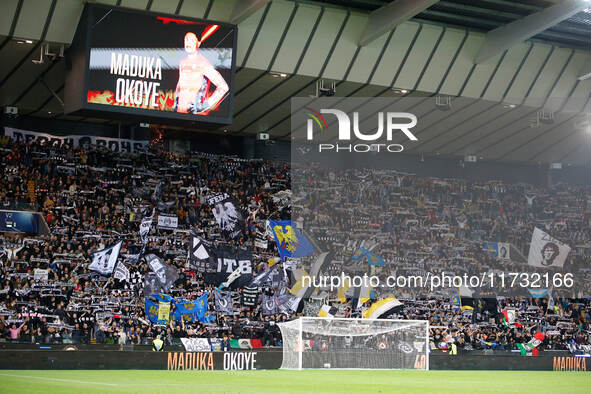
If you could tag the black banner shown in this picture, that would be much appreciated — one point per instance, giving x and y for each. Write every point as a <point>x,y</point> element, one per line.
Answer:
<point>227,261</point>
<point>102,358</point>
<point>202,256</point>
<point>226,361</point>
<point>228,214</point>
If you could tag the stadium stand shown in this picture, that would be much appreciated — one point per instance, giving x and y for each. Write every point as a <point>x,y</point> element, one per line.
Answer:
<point>94,198</point>
<point>395,188</point>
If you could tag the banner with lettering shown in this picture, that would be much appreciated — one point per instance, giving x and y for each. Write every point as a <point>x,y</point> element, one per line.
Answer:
<point>168,222</point>
<point>230,260</point>
<point>228,214</point>
<point>77,141</point>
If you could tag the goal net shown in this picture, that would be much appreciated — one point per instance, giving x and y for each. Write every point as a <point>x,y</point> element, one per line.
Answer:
<point>315,342</point>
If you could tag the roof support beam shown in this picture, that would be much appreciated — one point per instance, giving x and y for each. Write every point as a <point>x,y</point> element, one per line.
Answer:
<point>504,37</point>
<point>391,15</point>
<point>245,8</point>
<point>586,72</point>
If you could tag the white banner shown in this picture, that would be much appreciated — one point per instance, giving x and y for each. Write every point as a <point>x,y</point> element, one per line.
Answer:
<point>104,260</point>
<point>77,141</point>
<point>40,275</point>
<point>196,344</point>
<point>504,251</point>
<point>545,251</point>
<point>168,222</point>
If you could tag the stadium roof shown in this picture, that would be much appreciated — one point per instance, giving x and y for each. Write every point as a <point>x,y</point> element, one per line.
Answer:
<point>486,15</point>
<point>449,48</point>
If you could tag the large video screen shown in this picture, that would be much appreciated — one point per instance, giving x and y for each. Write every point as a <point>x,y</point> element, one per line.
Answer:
<point>159,65</point>
<point>20,222</point>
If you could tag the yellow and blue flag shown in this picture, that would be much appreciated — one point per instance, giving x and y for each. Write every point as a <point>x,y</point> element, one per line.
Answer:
<point>195,310</point>
<point>152,311</point>
<point>153,304</point>
<point>290,241</point>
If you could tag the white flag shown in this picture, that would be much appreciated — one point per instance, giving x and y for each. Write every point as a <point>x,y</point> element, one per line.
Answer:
<point>104,260</point>
<point>260,241</point>
<point>121,272</point>
<point>545,251</point>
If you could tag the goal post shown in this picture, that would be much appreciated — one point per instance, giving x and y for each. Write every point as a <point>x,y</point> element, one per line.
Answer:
<point>339,343</point>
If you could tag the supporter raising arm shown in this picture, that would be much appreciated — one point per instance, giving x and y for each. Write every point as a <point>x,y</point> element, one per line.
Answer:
<point>14,331</point>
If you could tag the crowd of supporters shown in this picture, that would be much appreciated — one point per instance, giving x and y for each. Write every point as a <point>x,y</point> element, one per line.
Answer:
<point>92,199</point>
<point>424,226</point>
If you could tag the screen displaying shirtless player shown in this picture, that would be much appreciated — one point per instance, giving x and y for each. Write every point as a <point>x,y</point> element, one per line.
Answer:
<point>192,88</point>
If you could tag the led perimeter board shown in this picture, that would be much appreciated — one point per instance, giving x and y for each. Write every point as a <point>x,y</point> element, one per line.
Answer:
<point>151,66</point>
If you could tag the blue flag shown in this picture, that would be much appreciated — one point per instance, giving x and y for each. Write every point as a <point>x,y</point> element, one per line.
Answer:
<point>152,311</point>
<point>162,297</point>
<point>539,293</point>
<point>290,241</point>
<point>153,306</point>
<point>184,309</point>
<point>372,258</point>
<point>192,311</point>
<point>492,248</point>
<point>201,309</point>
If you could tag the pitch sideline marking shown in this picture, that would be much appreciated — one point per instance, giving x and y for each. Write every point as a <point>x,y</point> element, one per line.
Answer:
<point>57,379</point>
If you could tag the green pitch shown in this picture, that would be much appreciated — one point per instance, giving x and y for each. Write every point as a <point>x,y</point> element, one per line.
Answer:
<point>317,381</point>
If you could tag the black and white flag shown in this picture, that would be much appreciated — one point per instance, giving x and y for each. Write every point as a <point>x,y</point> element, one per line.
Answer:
<point>227,213</point>
<point>104,260</point>
<point>328,311</point>
<point>145,226</point>
<point>201,254</point>
<point>230,261</point>
<point>282,198</point>
<point>268,305</point>
<point>121,272</point>
<point>157,193</point>
<point>260,241</point>
<point>249,296</point>
<point>504,251</point>
<point>545,251</point>
<point>231,279</point>
<point>286,302</point>
<point>162,277</point>
<point>164,206</point>
<point>40,275</point>
<point>223,303</point>
<point>271,277</point>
